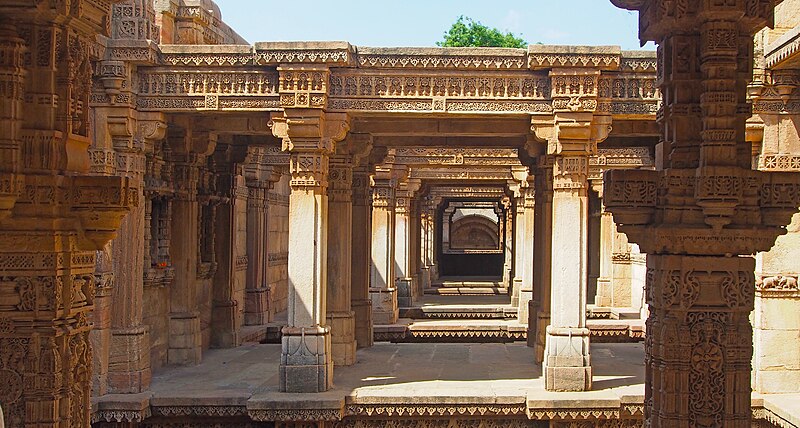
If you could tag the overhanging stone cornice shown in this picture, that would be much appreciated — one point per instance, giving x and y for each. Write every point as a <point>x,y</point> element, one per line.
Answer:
<point>556,56</point>
<point>784,49</point>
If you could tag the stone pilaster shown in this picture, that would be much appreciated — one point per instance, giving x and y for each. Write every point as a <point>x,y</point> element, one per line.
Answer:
<point>309,136</point>
<point>403,242</point>
<point>340,317</point>
<point>260,179</point>
<point>425,242</point>
<point>382,285</point>
<point>523,242</point>
<point>525,295</point>
<point>361,256</point>
<point>702,216</point>
<point>605,292</point>
<point>430,241</point>
<point>508,239</point>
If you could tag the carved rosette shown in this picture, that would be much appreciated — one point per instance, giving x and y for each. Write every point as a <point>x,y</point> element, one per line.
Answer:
<point>697,343</point>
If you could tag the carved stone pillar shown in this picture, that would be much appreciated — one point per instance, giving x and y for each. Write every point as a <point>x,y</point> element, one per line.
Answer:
<point>702,216</point>
<point>382,285</point>
<point>309,136</point>
<point>129,347</point>
<point>340,317</point>
<point>508,239</point>
<point>543,236</point>
<point>121,138</point>
<point>523,241</point>
<point>191,148</point>
<point>227,316</point>
<point>526,287</point>
<point>572,134</point>
<point>52,230</point>
<point>403,243</point>
<point>430,246</point>
<point>519,244</point>
<point>415,249</point>
<point>424,272</point>
<point>605,293</point>
<point>361,256</point>
<point>567,363</point>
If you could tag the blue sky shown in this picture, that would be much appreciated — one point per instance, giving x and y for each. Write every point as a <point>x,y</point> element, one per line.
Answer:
<point>422,22</point>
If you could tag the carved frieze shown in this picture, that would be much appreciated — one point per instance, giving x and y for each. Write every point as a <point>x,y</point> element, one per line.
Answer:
<point>433,156</point>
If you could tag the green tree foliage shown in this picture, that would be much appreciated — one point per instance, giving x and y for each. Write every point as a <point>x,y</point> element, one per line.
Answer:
<point>467,32</point>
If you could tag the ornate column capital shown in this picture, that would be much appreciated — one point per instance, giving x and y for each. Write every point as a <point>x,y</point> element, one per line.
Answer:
<point>340,179</point>
<point>310,137</point>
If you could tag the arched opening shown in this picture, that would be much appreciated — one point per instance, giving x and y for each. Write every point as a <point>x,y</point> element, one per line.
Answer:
<point>472,243</point>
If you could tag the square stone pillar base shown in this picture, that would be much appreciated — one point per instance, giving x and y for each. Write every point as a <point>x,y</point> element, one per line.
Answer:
<point>542,321</point>
<point>523,310</point>
<point>343,340</point>
<point>257,306</point>
<point>225,324</point>
<point>384,305</point>
<point>603,297</point>
<point>516,286</point>
<point>405,293</point>
<point>306,362</point>
<point>425,278</point>
<point>363,314</point>
<point>129,361</point>
<point>185,343</point>
<point>567,365</point>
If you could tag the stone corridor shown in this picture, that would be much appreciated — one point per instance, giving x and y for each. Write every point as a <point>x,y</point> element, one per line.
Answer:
<point>560,236</point>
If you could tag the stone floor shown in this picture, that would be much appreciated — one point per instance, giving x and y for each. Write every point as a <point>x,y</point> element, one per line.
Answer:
<point>405,371</point>
<point>390,380</point>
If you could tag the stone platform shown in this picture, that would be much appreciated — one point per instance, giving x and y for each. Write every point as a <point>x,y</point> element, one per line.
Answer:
<point>497,382</point>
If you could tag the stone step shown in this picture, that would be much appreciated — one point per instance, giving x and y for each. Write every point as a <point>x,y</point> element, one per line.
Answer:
<point>494,331</point>
<point>460,312</point>
<point>467,291</point>
<point>469,284</point>
<point>450,331</point>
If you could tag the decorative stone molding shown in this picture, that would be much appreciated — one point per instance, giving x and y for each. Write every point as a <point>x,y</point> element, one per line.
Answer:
<point>437,410</point>
<point>328,53</point>
<point>120,416</point>
<point>211,411</point>
<point>289,415</point>
<point>434,156</point>
<point>546,56</point>
<point>779,162</point>
<point>436,422</point>
<point>434,58</point>
<point>356,85</point>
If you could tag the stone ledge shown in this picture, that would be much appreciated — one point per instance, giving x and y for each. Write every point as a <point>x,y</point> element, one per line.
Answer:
<point>327,406</point>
